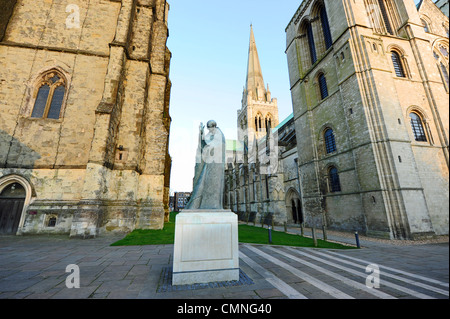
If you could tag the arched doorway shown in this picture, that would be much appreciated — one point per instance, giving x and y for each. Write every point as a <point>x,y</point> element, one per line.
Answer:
<point>15,195</point>
<point>294,207</point>
<point>12,200</point>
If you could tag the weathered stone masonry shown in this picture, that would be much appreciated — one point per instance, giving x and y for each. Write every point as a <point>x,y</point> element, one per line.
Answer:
<point>393,173</point>
<point>103,165</point>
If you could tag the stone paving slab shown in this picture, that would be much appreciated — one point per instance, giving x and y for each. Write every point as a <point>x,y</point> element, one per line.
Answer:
<point>35,268</point>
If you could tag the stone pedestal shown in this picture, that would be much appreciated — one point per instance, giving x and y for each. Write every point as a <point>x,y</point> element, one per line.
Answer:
<point>206,247</point>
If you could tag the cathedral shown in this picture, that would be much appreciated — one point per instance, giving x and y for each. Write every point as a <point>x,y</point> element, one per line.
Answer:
<point>261,180</point>
<point>369,84</point>
<point>85,123</point>
<point>366,148</point>
<point>84,116</point>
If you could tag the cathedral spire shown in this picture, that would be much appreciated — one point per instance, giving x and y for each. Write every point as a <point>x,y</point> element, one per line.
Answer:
<point>259,110</point>
<point>255,82</point>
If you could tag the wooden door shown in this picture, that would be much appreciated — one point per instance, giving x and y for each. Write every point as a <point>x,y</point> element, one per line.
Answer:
<point>12,200</point>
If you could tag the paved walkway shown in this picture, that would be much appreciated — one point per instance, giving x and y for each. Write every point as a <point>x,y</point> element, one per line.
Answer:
<point>33,267</point>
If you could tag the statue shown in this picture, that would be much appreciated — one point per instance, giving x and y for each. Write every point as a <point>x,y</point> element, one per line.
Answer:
<point>209,178</point>
<point>206,247</point>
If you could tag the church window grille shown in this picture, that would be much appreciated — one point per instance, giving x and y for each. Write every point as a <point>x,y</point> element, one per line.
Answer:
<point>330,142</point>
<point>326,28</point>
<point>397,62</point>
<point>417,128</point>
<point>335,183</point>
<point>323,86</point>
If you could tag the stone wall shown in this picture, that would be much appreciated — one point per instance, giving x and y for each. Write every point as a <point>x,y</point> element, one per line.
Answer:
<point>100,167</point>
<point>385,179</point>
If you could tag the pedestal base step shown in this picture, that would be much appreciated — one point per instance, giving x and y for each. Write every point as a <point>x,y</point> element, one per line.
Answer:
<point>165,283</point>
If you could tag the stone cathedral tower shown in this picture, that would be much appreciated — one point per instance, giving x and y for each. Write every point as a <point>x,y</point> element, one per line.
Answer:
<point>370,89</point>
<point>259,111</point>
<point>84,116</point>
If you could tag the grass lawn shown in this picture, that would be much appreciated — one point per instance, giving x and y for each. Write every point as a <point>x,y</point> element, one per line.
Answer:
<point>141,237</point>
<point>257,235</point>
<point>247,234</point>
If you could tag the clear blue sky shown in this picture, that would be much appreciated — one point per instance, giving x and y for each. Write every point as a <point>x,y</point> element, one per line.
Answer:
<point>209,42</point>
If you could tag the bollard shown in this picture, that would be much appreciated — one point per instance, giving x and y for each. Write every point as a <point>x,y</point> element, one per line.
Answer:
<point>302,229</point>
<point>324,230</point>
<point>314,236</point>
<point>270,234</point>
<point>357,240</point>
<point>285,227</point>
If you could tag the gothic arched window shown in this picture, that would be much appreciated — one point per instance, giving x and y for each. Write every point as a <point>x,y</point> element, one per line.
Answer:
<point>441,54</point>
<point>258,123</point>
<point>49,96</point>
<point>268,123</point>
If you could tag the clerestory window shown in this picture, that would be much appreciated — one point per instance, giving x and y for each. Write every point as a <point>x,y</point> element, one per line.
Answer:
<point>383,15</point>
<point>326,28</point>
